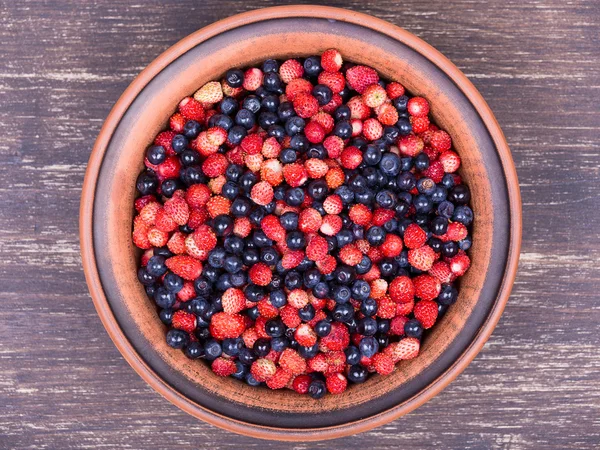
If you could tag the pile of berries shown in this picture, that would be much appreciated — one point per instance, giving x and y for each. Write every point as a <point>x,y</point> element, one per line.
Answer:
<point>303,224</point>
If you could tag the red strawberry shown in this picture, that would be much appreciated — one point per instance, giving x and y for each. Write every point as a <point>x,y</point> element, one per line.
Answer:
<point>323,119</point>
<point>301,384</point>
<point>295,174</point>
<point>292,259</point>
<point>170,168</point>
<point>372,129</point>
<point>336,383</point>
<point>327,264</point>
<point>176,243</point>
<point>450,161</point>
<point>414,236</point>
<point>418,106</point>
<point>177,209</point>
<point>435,171</point>
<point>216,135</point>
<point>305,105</point>
<point>205,238</point>
<point>184,321</point>
<point>290,69</point>
<point>350,255</point>
<point>422,258</point>
<point>289,316</point>
<point>218,205</point>
<point>215,165</point>
<point>402,289</point>
<point>253,79</point>
<point>386,307</point>
<point>419,124</point>
<point>197,195</point>
<point>334,146</point>
<point>397,325</point>
<point>407,348</point>
<point>291,361</point>
<point>351,157</point>
<point>305,335</point>
<point>381,216</point>
<point>309,220</point>
<point>266,309</point>
<point>233,301</point>
<point>410,145</point>
<point>224,325</point>
<point>262,193</point>
<point>331,60</point>
<point>374,96</point>
<point>338,338</point>
<point>164,139</point>
<point>394,90</point>
<point>441,141</point>
<point>298,298</point>
<point>260,274</point>
<point>262,369</point>
<point>333,204</point>
<point>360,77</point>
<point>360,214</point>
<point>280,379</point>
<point>186,267</point>
<point>333,80</point>
<point>210,93</point>
<point>392,246</point>
<point>332,224</point>
<point>427,287</point>
<point>426,312</point>
<point>334,178</point>
<point>177,122</point>
<point>459,264</point>
<point>191,109</point>
<point>378,288</point>
<point>223,367</point>
<point>272,228</point>
<point>317,248</point>
<point>384,364</point>
<point>157,238</point>
<point>441,271</point>
<point>387,114</point>
<point>358,109</point>
<point>318,363</point>
<point>314,132</point>
<point>316,168</point>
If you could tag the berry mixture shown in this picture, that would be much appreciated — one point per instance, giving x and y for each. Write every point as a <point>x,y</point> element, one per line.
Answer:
<point>303,224</point>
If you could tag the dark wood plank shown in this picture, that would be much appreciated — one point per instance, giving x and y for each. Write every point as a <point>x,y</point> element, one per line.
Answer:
<point>62,382</point>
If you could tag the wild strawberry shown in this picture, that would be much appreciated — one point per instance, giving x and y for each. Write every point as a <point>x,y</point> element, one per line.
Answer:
<point>358,109</point>
<point>215,165</point>
<point>418,107</point>
<point>410,145</point>
<point>266,309</point>
<point>318,363</point>
<point>360,77</point>
<point>333,204</point>
<point>331,60</point>
<point>149,212</point>
<point>392,246</point>
<point>334,178</point>
<point>223,367</point>
<point>404,309</point>
<point>386,307</point>
<point>314,132</point>
<point>459,264</point>
<point>298,298</point>
<point>394,90</point>
<point>203,145</point>
<point>351,158</point>
<point>357,127</point>
<point>177,122</point>
<point>292,259</point>
<point>372,129</point>
<point>218,205</point>
<point>305,105</point>
<point>224,325</point>
<point>441,271</point>
<point>375,254</point>
<point>309,220</point>
<point>254,162</point>
<point>327,265</point>
<point>191,109</point>
<point>177,209</point>
<point>210,93</point>
<point>143,201</point>
<point>164,139</point>
<point>253,79</point>
<point>242,227</point>
<point>295,174</point>
<point>262,193</point>
<point>435,171</point>
<point>323,119</point>
<point>290,69</point>
<point>216,184</point>
<point>187,292</point>
<point>331,225</point>
<point>384,364</point>
<point>193,250</point>
<point>280,379</point>
<point>170,168</point>
<point>334,146</point>
<point>387,114</point>
<point>381,216</point>
<point>316,168</point>
<point>249,336</point>
<point>426,287</point>
<point>197,195</point>
<point>204,238</point>
<point>140,237</point>
<point>317,248</point>
<point>336,383</point>
<point>336,101</point>
<point>230,91</point>
<point>260,274</point>
<point>157,237</point>
<point>216,136</point>
<point>252,144</point>
<point>350,255</point>
<point>407,348</point>
<point>414,236</point>
<point>419,124</point>
<point>426,312</point>
<point>271,148</point>
<point>301,384</point>
<point>289,316</point>
<point>374,96</point>
<point>450,161</point>
<point>333,80</point>
<point>262,369</point>
<point>297,86</point>
<point>272,228</point>
<point>184,321</point>
<point>360,214</point>
<point>176,243</point>
<point>402,289</point>
<point>336,362</point>
<point>422,258</point>
<point>397,325</point>
<point>291,361</point>
<point>441,141</point>
<point>378,288</point>
<point>305,335</point>
<point>338,338</point>
<point>233,301</point>
<point>456,232</point>
<point>363,245</point>
<point>186,267</point>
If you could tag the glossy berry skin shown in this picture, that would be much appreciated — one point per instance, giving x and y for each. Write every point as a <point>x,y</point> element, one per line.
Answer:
<point>177,338</point>
<point>413,328</point>
<point>317,389</point>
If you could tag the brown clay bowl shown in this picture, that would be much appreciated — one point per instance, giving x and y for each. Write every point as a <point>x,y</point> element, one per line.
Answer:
<point>110,260</point>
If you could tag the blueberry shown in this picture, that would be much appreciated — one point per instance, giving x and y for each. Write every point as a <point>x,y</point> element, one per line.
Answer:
<point>317,189</point>
<point>400,103</point>
<point>364,265</point>
<point>367,326</point>
<point>388,267</point>
<point>360,290</point>
<point>357,183</point>
<point>346,194</point>
<point>317,389</point>
<point>322,328</point>
<point>228,106</point>
<point>234,78</point>
<point>343,129</point>
<point>439,194</point>
<point>233,264</point>
<point>269,256</point>
<point>146,183</point>
<point>236,134</point>
<point>316,151</point>
<point>426,186</point>
<point>232,347</point>
<point>221,121</point>
<point>308,352</point>
<point>386,199</point>
<point>343,312</point>
<point>345,274</point>
<point>383,326</point>
<point>279,344</point>
<point>179,143</point>
<point>439,225</point>
<point>311,278</point>
<point>216,257</point>
<point>342,294</point>
<point>448,181</point>
<point>194,350</point>
<point>230,190</point>
<point>448,294</point>
<point>293,280</point>
<point>191,129</point>
<point>240,207</point>
<point>404,126</point>
<point>382,340</point>
<point>223,225</point>
<point>177,338</point>
<point>289,221</point>
<point>465,244</point>
<point>435,244</point>
<point>270,65</point>
<point>463,214</point>
<point>294,125</point>
<point>413,328</point>
<point>307,313</point>
<point>422,204</point>
<point>275,328</point>
<point>299,143</point>
<point>372,155</point>
<point>323,94</point>
<point>270,103</point>
<point>294,196</point>
<point>189,157</point>
<point>251,103</point>
<point>272,82</point>
<point>156,154</point>
<point>391,134</point>
<point>459,195</point>
<point>166,316</point>
<point>212,349</point>
<point>256,216</point>
<point>375,235</point>
<point>321,290</point>
<point>368,346</point>
<point>285,111</point>
<point>288,155</point>
<point>245,118</point>
<point>253,312</point>
<point>312,66</point>
<point>173,283</point>
<point>449,249</point>
<point>445,209</point>
<point>251,381</point>
<point>406,181</point>
<point>342,113</point>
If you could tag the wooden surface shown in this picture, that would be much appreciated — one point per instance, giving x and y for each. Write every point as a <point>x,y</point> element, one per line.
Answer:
<point>64,385</point>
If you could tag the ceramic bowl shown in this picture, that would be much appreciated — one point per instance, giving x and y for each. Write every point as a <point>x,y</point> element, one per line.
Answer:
<point>110,259</point>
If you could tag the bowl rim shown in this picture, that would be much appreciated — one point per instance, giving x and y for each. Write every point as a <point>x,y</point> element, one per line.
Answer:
<point>91,177</point>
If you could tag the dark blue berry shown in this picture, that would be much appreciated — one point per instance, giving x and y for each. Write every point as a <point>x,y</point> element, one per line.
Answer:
<point>413,328</point>
<point>368,346</point>
<point>177,338</point>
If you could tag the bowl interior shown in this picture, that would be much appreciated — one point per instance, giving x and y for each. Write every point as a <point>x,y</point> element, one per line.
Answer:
<point>148,114</point>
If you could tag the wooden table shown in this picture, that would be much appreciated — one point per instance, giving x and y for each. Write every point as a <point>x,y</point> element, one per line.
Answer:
<point>63,384</point>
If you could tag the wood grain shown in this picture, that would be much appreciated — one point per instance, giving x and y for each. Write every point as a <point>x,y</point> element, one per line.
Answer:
<point>64,385</point>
